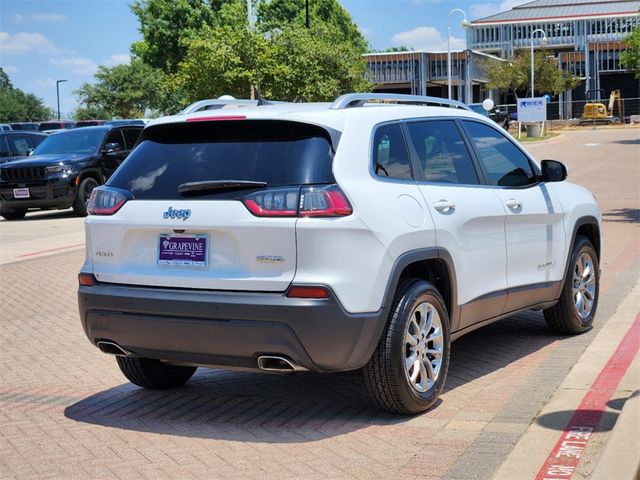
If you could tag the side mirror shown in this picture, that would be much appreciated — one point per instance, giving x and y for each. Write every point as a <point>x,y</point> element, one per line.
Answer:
<point>553,171</point>
<point>112,148</point>
<point>30,151</point>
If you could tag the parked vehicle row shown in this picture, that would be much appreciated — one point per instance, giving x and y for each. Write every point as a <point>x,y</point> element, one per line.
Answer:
<point>63,168</point>
<point>55,125</point>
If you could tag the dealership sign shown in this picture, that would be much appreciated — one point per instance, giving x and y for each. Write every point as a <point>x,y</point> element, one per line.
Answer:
<point>532,109</point>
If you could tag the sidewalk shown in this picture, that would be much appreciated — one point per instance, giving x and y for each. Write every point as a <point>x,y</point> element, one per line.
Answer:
<point>579,449</point>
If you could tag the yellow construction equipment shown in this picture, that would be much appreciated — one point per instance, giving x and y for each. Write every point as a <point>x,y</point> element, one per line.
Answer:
<point>596,112</point>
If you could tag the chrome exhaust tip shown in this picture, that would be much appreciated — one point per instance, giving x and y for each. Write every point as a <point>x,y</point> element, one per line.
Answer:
<point>112,348</point>
<point>274,363</point>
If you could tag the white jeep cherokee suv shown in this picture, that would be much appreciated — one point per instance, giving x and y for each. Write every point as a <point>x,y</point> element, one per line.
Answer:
<point>368,233</point>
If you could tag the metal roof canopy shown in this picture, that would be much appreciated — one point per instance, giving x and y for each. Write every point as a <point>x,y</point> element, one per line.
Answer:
<point>558,9</point>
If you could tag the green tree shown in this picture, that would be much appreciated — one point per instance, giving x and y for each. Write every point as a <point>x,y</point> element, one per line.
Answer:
<point>126,90</point>
<point>91,113</point>
<point>165,25</point>
<point>18,106</point>
<point>280,14</point>
<point>630,58</point>
<point>514,74</point>
<point>309,65</point>
<point>289,63</point>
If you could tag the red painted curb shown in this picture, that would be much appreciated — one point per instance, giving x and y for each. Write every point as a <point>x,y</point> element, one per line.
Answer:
<point>565,455</point>
<point>49,250</point>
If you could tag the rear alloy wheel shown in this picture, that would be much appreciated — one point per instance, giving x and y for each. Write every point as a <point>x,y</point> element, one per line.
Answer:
<point>408,369</point>
<point>153,374</point>
<point>14,214</point>
<point>82,197</point>
<point>576,309</point>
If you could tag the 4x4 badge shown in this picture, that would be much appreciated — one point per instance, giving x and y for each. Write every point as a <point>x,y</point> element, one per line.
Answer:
<point>177,213</point>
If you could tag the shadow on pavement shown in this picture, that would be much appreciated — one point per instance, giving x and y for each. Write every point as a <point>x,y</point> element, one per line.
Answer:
<point>253,406</point>
<point>635,141</point>
<point>43,215</point>
<point>559,420</point>
<point>626,215</point>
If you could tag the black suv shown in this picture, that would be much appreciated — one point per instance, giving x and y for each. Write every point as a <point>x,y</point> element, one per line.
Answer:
<point>64,169</point>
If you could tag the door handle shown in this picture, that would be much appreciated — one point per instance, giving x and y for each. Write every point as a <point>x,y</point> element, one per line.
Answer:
<point>444,205</point>
<point>513,203</point>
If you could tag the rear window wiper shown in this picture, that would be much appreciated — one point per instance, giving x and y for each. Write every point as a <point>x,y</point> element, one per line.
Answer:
<point>195,188</point>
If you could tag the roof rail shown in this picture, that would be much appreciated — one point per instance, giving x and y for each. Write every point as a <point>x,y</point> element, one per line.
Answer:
<point>351,100</point>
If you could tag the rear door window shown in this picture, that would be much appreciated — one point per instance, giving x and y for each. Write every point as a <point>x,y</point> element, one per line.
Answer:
<point>441,152</point>
<point>390,157</point>
<point>280,153</point>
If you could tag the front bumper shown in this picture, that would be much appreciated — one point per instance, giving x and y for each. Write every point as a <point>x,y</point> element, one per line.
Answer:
<point>54,192</point>
<point>229,329</point>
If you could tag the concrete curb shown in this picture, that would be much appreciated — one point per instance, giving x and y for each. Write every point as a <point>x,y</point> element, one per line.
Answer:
<point>532,449</point>
<point>621,456</point>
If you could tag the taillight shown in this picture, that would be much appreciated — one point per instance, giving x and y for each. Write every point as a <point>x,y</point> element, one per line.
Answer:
<point>107,200</point>
<point>216,119</point>
<point>280,202</point>
<point>326,201</point>
<point>313,201</point>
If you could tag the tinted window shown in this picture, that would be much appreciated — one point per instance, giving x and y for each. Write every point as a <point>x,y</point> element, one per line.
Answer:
<point>442,154</point>
<point>75,141</point>
<point>505,164</point>
<point>4,151</point>
<point>37,139</point>
<point>131,136</point>
<point>18,144</point>
<point>390,158</point>
<point>50,126</point>
<point>278,153</point>
<point>115,137</point>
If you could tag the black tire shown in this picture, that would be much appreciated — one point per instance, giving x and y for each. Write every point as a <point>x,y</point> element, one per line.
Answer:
<point>14,214</point>
<point>154,374</point>
<point>563,317</point>
<point>82,197</point>
<point>384,374</point>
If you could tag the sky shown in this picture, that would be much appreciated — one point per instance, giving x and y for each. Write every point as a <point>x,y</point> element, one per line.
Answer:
<point>42,41</point>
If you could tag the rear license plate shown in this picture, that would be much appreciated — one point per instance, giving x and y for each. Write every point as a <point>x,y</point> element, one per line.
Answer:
<point>187,250</point>
<point>21,193</point>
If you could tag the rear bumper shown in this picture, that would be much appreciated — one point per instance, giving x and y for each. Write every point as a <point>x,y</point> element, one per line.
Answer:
<point>229,329</point>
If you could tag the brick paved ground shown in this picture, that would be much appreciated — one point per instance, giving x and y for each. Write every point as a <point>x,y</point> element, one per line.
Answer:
<point>66,411</point>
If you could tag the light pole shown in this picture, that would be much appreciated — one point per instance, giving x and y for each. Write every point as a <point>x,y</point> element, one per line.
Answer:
<point>58,82</point>
<point>464,24</point>
<point>544,42</point>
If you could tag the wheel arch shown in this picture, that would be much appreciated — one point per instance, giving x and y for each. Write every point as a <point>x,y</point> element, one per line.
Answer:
<point>432,264</point>
<point>589,227</point>
<point>91,173</point>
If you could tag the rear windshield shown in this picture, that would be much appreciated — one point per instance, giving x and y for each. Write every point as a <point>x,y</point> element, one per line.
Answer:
<point>276,152</point>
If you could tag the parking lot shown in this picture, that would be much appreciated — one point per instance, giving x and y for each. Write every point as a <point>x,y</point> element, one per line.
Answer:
<point>67,412</point>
